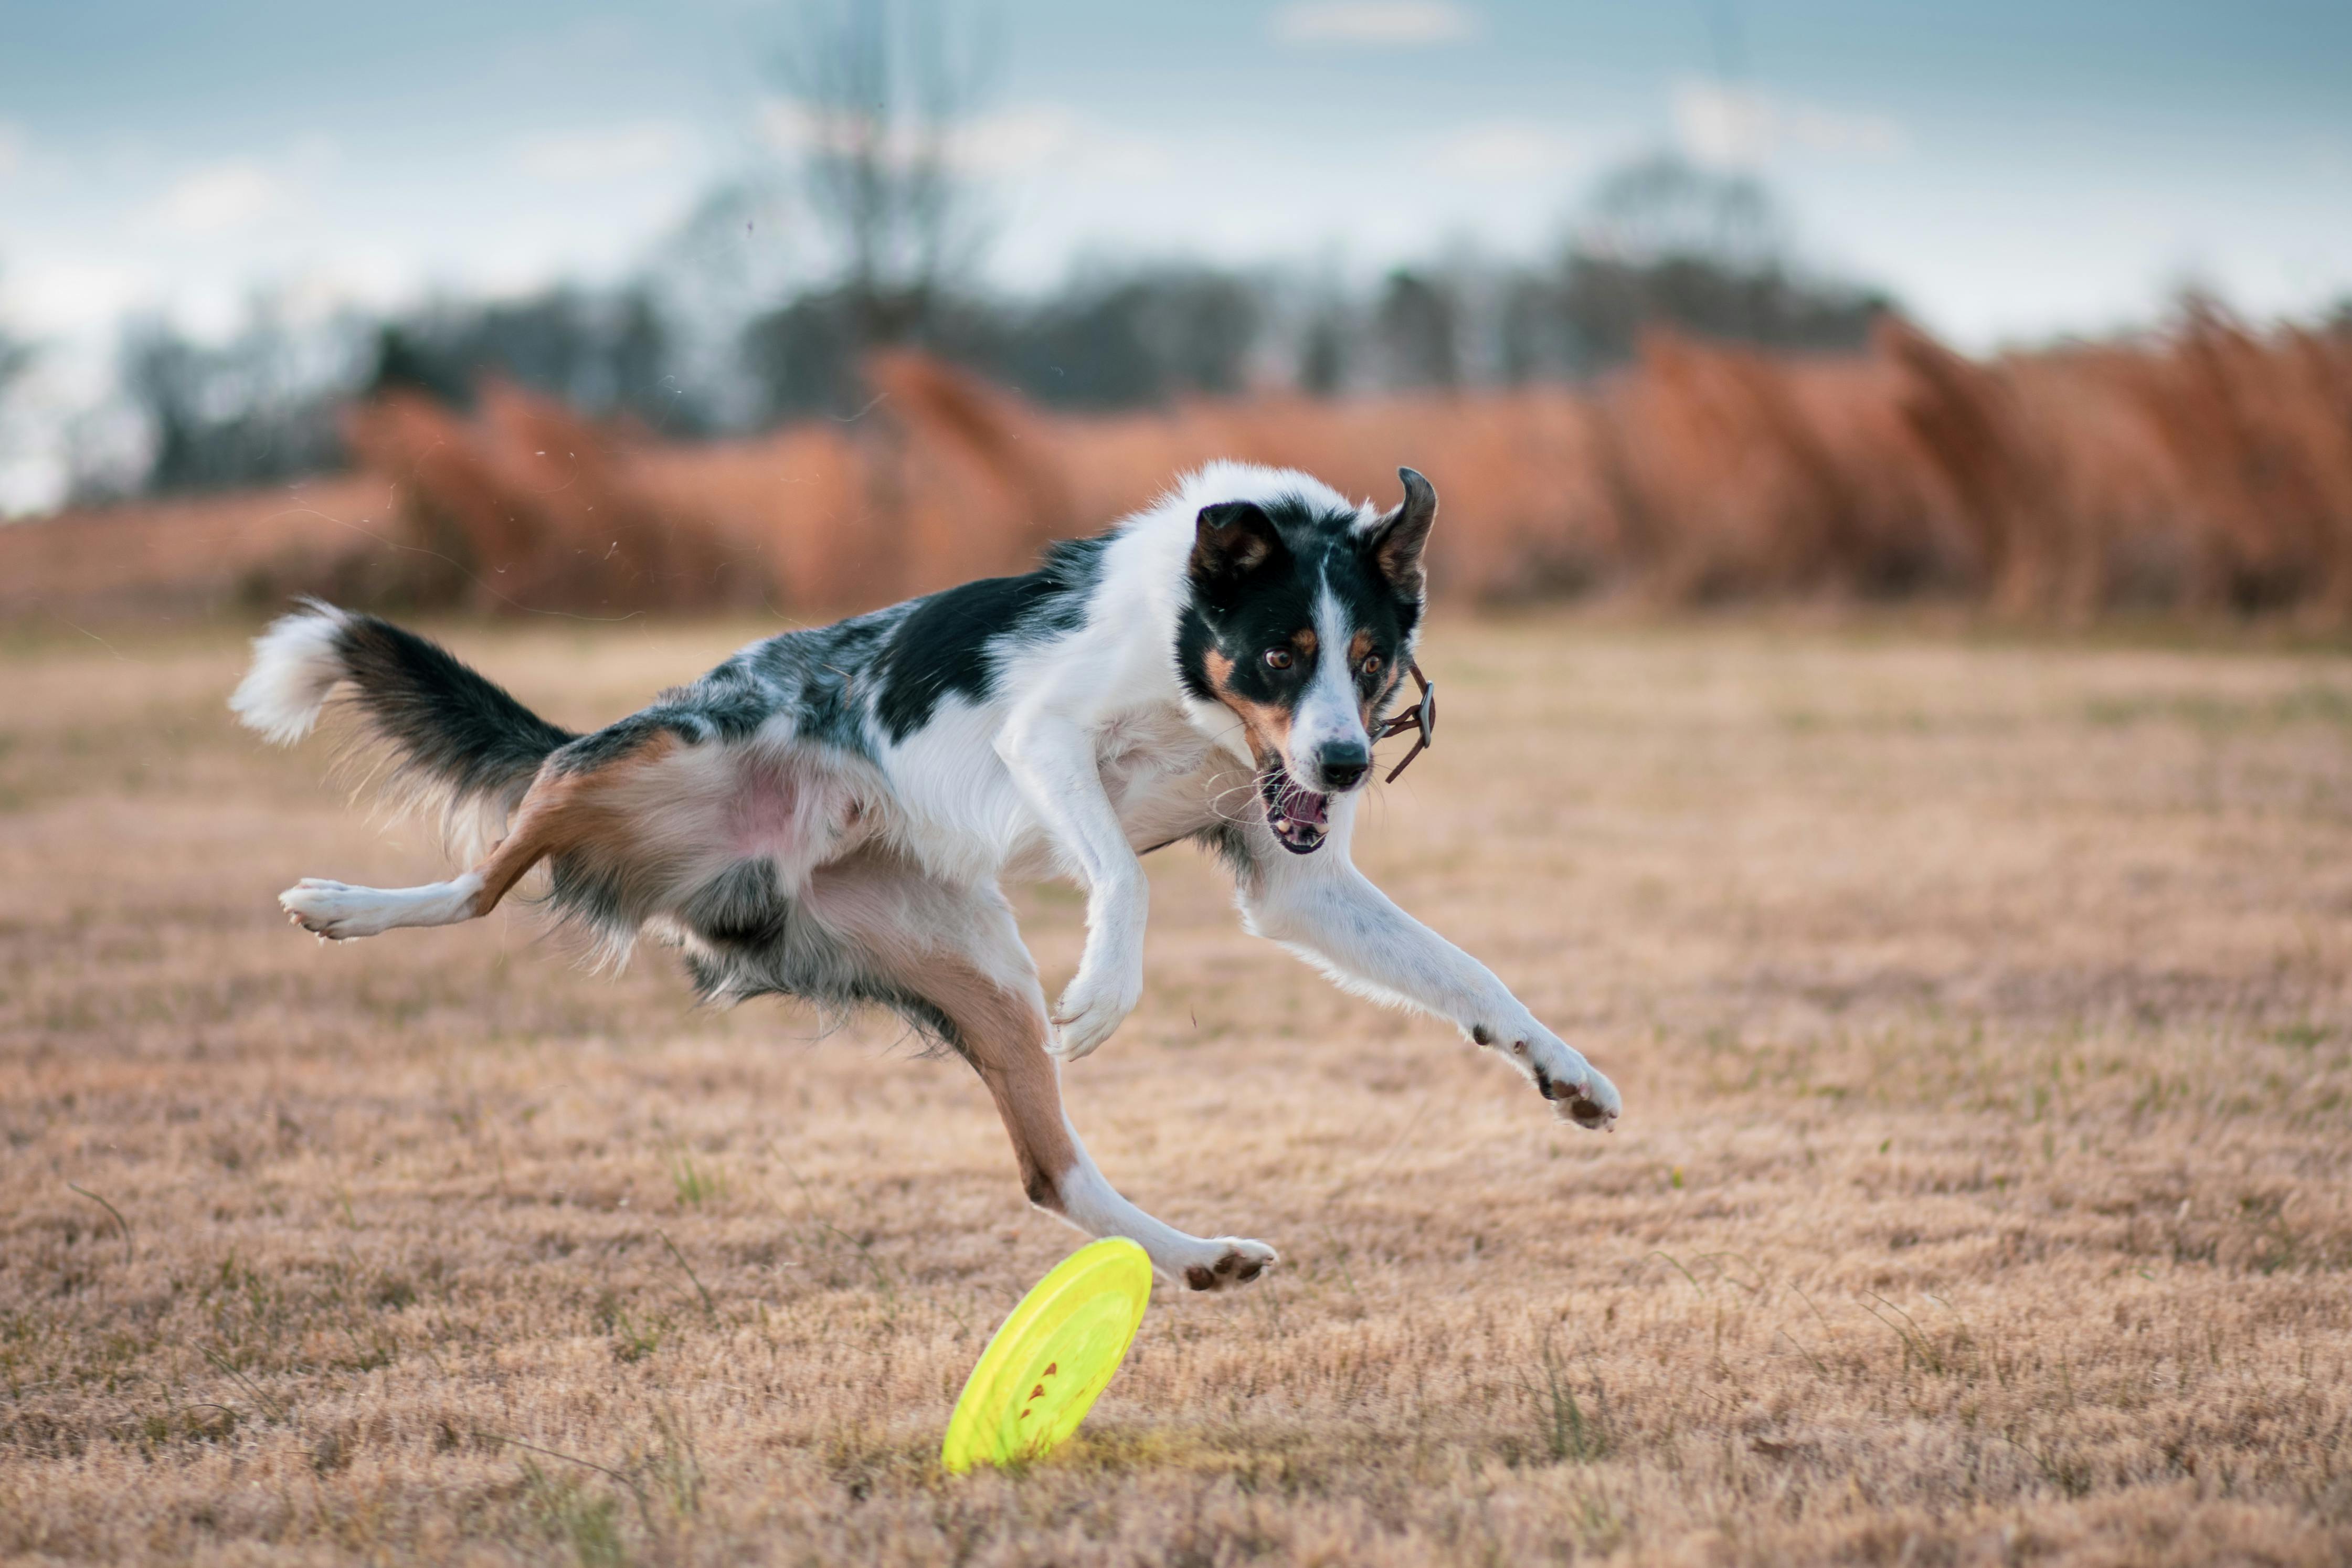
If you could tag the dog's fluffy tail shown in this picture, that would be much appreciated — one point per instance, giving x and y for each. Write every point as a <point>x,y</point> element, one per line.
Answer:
<point>457,744</point>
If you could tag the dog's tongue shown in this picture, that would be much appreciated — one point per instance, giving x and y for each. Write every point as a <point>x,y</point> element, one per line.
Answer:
<point>1304,806</point>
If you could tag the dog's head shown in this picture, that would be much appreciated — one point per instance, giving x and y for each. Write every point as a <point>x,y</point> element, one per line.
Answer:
<point>1302,621</point>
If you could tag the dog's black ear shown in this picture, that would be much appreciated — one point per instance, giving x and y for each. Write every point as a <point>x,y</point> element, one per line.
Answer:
<point>1232,542</point>
<point>1396,541</point>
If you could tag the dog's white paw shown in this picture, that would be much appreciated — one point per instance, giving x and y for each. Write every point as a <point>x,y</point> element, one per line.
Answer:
<point>1104,992</point>
<point>338,912</point>
<point>1593,1105</point>
<point>335,911</point>
<point>1579,1092</point>
<point>1236,1264</point>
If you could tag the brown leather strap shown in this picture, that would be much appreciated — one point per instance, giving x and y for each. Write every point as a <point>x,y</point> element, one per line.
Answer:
<point>1421,717</point>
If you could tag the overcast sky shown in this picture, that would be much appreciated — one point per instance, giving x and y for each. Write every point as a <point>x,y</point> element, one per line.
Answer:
<point>2009,168</point>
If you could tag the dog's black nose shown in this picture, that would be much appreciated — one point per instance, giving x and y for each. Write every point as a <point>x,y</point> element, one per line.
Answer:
<point>1342,762</point>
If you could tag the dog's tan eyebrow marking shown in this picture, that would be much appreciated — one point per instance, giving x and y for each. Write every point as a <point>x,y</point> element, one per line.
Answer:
<point>1304,640</point>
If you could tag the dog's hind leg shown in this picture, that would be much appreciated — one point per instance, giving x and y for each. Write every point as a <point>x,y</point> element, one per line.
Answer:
<point>565,809</point>
<point>958,950</point>
<point>338,912</point>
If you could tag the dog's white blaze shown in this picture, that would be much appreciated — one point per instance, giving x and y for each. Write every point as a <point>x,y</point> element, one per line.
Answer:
<point>1328,713</point>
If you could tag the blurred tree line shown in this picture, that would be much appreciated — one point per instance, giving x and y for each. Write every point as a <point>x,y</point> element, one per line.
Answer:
<point>15,359</point>
<point>704,344</point>
<point>1661,242</point>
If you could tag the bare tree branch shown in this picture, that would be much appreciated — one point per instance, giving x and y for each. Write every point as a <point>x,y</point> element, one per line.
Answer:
<point>883,89</point>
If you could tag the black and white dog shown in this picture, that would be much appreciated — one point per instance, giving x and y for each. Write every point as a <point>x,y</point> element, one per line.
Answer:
<point>830,812</point>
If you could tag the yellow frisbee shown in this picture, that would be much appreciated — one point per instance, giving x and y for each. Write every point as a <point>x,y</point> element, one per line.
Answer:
<point>1058,1350</point>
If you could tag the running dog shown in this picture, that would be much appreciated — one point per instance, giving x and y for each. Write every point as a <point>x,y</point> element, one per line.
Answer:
<point>829,814</point>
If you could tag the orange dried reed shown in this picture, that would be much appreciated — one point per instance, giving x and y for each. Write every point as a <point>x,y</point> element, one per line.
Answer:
<point>2205,468</point>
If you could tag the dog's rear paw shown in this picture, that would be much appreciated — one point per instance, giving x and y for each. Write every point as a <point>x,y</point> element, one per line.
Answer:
<point>335,911</point>
<point>1241,1262</point>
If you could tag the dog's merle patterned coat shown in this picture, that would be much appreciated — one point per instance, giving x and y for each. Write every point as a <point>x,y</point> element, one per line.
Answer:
<point>829,813</point>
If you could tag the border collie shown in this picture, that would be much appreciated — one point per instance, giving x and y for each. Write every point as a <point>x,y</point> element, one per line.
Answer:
<point>829,814</point>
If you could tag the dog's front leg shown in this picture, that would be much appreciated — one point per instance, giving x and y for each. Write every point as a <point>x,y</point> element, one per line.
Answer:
<point>1330,913</point>
<point>1052,759</point>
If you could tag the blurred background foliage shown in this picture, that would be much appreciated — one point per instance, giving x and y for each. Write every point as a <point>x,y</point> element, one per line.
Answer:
<point>1661,243</point>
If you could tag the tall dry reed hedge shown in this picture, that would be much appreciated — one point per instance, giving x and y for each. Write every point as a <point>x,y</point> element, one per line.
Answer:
<point>2206,467</point>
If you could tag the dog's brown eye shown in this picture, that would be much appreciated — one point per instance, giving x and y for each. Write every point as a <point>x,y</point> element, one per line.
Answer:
<point>1372,663</point>
<point>1277,658</point>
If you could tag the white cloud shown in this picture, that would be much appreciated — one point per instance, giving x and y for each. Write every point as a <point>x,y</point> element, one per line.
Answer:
<point>604,153</point>
<point>783,125</point>
<point>1046,138</point>
<point>76,293</point>
<point>1730,126</point>
<point>220,198</point>
<point>790,127</point>
<point>1014,141</point>
<point>1025,139</point>
<point>1512,150</point>
<point>12,148</point>
<point>1390,24</point>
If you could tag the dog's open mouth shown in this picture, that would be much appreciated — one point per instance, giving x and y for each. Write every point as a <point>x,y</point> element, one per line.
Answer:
<point>1300,818</point>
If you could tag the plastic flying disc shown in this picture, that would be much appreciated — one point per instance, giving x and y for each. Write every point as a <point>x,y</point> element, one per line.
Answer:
<point>1056,1353</point>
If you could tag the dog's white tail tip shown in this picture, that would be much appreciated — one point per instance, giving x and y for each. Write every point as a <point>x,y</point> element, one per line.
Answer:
<point>295,665</point>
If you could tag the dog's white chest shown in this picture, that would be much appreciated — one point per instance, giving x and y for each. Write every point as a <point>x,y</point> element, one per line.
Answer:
<point>1165,779</point>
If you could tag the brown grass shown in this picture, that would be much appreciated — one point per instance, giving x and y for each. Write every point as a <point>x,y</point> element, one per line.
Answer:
<point>1981,1011</point>
<point>2204,470</point>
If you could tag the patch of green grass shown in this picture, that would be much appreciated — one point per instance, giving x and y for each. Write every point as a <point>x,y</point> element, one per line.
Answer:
<point>586,1520</point>
<point>1565,1432</point>
<point>2310,703</point>
<point>631,1342</point>
<point>694,1185</point>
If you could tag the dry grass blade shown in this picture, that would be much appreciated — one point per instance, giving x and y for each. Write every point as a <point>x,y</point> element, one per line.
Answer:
<point>128,1252</point>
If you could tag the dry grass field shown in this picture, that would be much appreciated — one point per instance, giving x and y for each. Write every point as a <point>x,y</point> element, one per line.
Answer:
<point>1980,1008</point>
